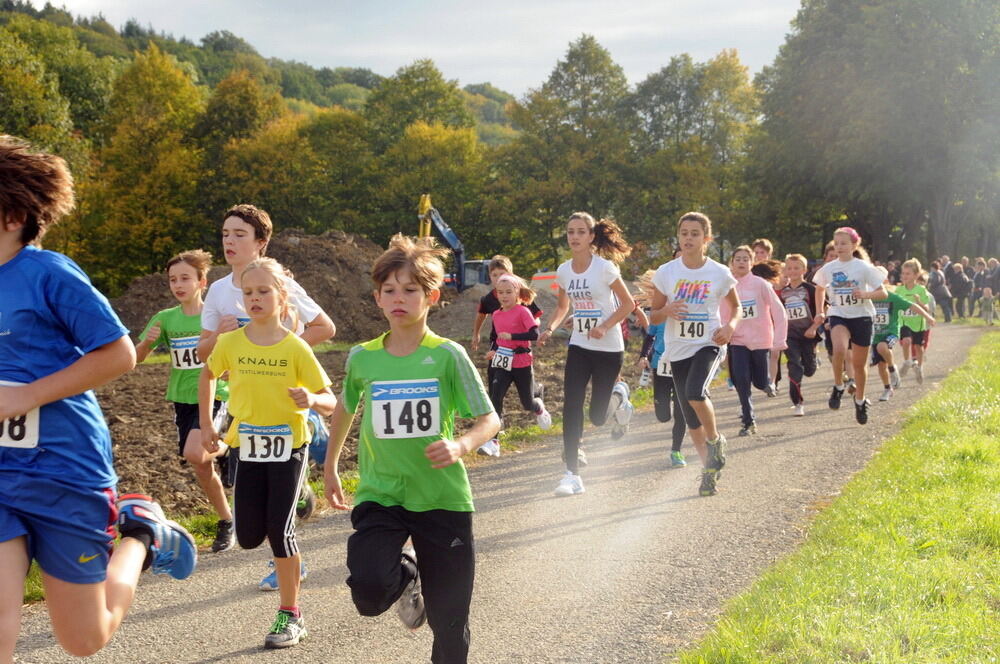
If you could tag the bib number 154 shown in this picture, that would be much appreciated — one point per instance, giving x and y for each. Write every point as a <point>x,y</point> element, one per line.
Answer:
<point>406,408</point>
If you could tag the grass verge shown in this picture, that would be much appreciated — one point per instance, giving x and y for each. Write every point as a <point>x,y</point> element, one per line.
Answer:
<point>905,565</point>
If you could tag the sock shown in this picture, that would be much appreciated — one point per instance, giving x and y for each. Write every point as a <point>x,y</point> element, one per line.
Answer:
<point>147,541</point>
<point>293,610</point>
<point>858,403</point>
<point>887,386</point>
<point>892,369</point>
<point>839,388</point>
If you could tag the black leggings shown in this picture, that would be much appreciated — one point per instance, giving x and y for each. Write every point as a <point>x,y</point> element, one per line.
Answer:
<point>265,496</point>
<point>692,376</point>
<point>801,354</point>
<point>748,367</point>
<point>523,379</point>
<point>446,558</point>
<point>665,396</point>
<point>582,364</point>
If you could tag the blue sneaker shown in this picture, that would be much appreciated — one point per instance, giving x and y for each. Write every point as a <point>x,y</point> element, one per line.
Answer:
<point>677,460</point>
<point>270,582</point>
<point>173,548</point>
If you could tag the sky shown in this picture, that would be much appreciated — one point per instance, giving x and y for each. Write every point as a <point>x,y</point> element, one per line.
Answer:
<point>513,44</point>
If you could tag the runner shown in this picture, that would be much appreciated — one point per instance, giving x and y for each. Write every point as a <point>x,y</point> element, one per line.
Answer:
<point>762,331</point>
<point>773,272</point>
<point>852,282</point>
<point>274,379</point>
<point>413,483</point>
<point>178,328</point>
<point>60,339</point>
<point>511,361</point>
<point>689,291</point>
<point>799,298</point>
<point>762,250</point>
<point>246,231</point>
<point>913,328</point>
<point>592,283</point>
<point>886,333</point>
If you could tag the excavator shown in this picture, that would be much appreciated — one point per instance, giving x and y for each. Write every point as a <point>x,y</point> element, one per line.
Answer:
<point>467,273</point>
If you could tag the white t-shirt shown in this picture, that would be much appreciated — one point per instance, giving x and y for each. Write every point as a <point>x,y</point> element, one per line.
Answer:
<point>702,289</point>
<point>840,278</point>
<point>593,302</point>
<point>225,299</point>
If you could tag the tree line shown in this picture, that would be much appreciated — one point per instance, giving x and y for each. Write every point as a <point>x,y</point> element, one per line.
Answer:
<point>881,114</point>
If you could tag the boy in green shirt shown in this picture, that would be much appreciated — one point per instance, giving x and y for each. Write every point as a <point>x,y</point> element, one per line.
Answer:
<point>413,484</point>
<point>913,328</point>
<point>885,334</point>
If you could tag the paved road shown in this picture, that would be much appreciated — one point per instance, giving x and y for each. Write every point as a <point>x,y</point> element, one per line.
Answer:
<point>628,572</point>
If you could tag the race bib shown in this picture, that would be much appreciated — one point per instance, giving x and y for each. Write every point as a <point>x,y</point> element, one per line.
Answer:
<point>845,297</point>
<point>265,443</point>
<point>694,327</point>
<point>584,320</point>
<point>242,321</point>
<point>663,366</point>
<point>749,309</point>
<point>184,353</point>
<point>406,408</point>
<point>797,310</point>
<point>503,358</point>
<point>20,431</point>
<point>881,317</point>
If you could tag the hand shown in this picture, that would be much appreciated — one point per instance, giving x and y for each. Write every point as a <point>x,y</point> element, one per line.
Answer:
<point>722,335</point>
<point>506,336</point>
<point>152,334</point>
<point>489,355</point>
<point>643,363</point>
<point>860,294</point>
<point>333,490</point>
<point>302,397</point>
<point>475,343</point>
<point>931,322</point>
<point>811,332</point>
<point>210,438</point>
<point>818,320</point>
<point>442,453</point>
<point>543,337</point>
<point>14,402</point>
<point>597,332</point>
<point>228,324</point>
<point>675,309</point>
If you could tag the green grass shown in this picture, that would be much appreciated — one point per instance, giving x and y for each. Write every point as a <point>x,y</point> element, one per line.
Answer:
<point>905,565</point>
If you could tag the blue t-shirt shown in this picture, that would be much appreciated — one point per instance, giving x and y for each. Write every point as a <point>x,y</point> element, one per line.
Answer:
<point>657,331</point>
<point>50,316</point>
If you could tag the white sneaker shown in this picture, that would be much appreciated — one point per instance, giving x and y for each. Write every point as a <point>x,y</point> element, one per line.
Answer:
<point>490,448</point>
<point>903,368</point>
<point>894,380</point>
<point>918,369</point>
<point>544,418</point>
<point>798,410</point>
<point>570,485</point>
<point>410,605</point>
<point>886,394</point>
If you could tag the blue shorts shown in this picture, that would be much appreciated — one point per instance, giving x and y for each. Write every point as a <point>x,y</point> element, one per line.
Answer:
<point>860,329</point>
<point>70,530</point>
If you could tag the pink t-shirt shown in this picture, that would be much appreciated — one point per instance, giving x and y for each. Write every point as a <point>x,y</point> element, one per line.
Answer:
<point>764,324</point>
<point>515,320</point>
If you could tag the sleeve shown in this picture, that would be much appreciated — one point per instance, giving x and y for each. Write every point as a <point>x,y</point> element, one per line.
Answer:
<point>899,301</point>
<point>660,281</point>
<point>561,277</point>
<point>530,335</point>
<point>305,306</point>
<point>350,396</point>
<point>528,320</point>
<point>536,311</point>
<point>160,340</point>
<point>874,276</point>
<point>80,308</point>
<point>467,391</point>
<point>210,314</point>
<point>647,343</point>
<point>611,272</point>
<point>310,372</point>
<point>729,281</point>
<point>778,318</point>
<point>218,361</point>
<point>822,277</point>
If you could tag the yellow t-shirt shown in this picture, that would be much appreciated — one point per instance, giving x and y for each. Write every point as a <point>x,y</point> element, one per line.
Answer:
<point>259,378</point>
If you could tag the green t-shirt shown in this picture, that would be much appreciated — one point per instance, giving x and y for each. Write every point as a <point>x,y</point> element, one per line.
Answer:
<point>179,333</point>
<point>410,402</point>
<point>887,314</point>
<point>912,319</point>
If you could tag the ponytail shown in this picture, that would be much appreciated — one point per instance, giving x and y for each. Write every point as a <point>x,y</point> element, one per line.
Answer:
<point>609,242</point>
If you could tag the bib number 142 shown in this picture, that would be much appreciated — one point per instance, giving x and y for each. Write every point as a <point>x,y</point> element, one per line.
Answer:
<point>406,408</point>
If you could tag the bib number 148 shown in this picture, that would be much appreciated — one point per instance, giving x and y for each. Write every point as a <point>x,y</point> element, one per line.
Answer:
<point>406,408</point>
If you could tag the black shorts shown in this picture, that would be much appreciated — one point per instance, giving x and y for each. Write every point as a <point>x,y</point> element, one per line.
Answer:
<point>187,419</point>
<point>859,328</point>
<point>907,333</point>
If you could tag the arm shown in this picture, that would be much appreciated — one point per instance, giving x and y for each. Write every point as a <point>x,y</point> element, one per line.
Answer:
<point>318,330</point>
<point>625,307</point>
<point>148,342</point>
<point>99,366</point>
<point>661,310</point>
<point>443,453</point>
<point>820,305</point>
<point>562,308</point>
<point>340,425</point>
<point>923,312</point>
<point>477,328</point>
<point>641,318</point>
<point>530,335</point>
<point>725,333</point>
<point>323,402</point>
<point>206,395</point>
<point>779,319</point>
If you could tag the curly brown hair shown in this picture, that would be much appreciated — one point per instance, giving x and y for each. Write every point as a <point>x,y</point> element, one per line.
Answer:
<point>421,257</point>
<point>35,188</point>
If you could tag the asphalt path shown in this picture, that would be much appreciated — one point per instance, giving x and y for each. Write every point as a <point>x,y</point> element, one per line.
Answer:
<point>630,571</point>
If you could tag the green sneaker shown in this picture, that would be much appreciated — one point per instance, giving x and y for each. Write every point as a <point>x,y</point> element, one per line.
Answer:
<point>677,460</point>
<point>286,631</point>
<point>708,483</point>
<point>716,453</point>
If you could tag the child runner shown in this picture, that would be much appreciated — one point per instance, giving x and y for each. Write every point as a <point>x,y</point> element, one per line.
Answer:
<point>59,339</point>
<point>799,298</point>
<point>762,331</point>
<point>688,292</point>
<point>591,282</point>
<point>762,250</point>
<point>178,328</point>
<point>912,327</point>
<point>274,379</point>
<point>413,484</point>
<point>888,313</point>
<point>852,282</point>
<point>246,231</point>
<point>773,272</point>
<point>511,361</point>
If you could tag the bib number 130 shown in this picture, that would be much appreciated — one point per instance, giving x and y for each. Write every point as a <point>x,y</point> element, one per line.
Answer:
<point>265,443</point>
<point>406,408</point>
<point>20,431</point>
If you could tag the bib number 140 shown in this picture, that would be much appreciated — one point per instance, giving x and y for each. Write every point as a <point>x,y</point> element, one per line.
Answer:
<point>406,408</point>
<point>21,430</point>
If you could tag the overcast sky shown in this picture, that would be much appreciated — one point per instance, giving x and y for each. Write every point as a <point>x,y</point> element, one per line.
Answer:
<point>513,44</point>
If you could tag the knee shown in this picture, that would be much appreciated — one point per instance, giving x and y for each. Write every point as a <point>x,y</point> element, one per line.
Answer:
<point>249,538</point>
<point>202,468</point>
<point>80,644</point>
<point>371,596</point>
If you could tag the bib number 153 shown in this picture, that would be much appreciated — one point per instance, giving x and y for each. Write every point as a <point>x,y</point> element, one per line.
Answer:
<point>406,408</point>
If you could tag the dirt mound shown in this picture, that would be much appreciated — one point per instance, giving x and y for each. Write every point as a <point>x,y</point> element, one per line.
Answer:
<point>334,268</point>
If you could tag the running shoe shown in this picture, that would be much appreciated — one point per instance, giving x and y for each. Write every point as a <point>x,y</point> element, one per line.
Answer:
<point>852,387</point>
<point>748,429</point>
<point>581,456</point>
<point>771,390</point>
<point>306,503</point>
<point>677,460</point>
<point>707,487</point>
<point>543,417</point>
<point>622,413</point>
<point>894,381</point>
<point>905,366</point>
<point>225,537</point>
<point>918,371</point>
<point>410,605</point>
<point>173,550</point>
<point>798,410</point>
<point>729,384</point>
<point>270,582</point>
<point>717,453</point>
<point>835,396</point>
<point>570,485</point>
<point>886,394</point>
<point>861,411</point>
<point>286,631</point>
<point>490,448</point>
